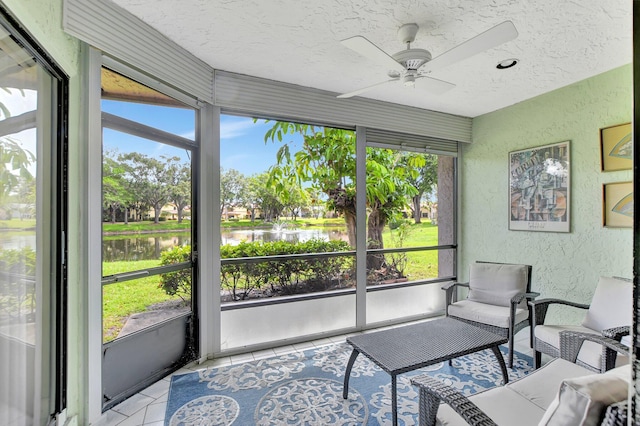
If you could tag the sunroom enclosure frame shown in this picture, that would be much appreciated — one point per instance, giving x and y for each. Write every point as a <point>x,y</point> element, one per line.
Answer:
<point>209,314</point>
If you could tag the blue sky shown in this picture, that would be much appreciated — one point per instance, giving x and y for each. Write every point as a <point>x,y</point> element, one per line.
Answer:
<point>242,144</point>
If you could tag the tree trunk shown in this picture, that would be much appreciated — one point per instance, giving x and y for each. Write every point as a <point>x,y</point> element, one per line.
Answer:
<point>417,213</point>
<point>126,215</point>
<point>113,214</point>
<point>375,226</point>
<point>350,220</point>
<point>179,213</point>
<point>156,211</point>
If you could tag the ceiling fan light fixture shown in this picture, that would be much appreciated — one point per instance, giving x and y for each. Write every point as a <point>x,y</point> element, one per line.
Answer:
<point>507,63</point>
<point>409,80</point>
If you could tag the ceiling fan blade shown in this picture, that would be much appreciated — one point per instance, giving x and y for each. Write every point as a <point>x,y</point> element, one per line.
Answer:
<point>364,47</point>
<point>433,85</point>
<point>491,38</point>
<point>364,89</point>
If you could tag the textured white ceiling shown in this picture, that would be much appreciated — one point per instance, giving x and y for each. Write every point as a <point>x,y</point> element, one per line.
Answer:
<point>298,41</point>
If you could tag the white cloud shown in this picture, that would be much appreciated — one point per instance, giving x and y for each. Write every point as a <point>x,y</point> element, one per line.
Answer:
<point>191,135</point>
<point>237,127</point>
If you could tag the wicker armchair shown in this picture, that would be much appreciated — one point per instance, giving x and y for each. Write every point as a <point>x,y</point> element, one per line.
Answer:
<point>497,299</point>
<point>496,409</point>
<point>609,314</point>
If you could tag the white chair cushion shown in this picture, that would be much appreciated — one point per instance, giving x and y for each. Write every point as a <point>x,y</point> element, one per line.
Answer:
<point>502,405</point>
<point>541,388</point>
<point>484,313</point>
<point>523,402</point>
<point>611,305</point>
<point>590,353</point>
<point>496,284</point>
<point>581,400</point>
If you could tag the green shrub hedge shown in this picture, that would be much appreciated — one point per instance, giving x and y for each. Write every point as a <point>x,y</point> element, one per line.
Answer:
<point>269,276</point>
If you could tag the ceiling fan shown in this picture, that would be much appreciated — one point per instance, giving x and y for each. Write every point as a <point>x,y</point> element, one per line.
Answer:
<point>412,64</point>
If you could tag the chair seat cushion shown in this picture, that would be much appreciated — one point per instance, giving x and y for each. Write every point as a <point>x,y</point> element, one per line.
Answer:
<point>521,402</point>
<point>501,404</point>
<point>541,388</point>
<point>487,314</point>
<point>591,352</point>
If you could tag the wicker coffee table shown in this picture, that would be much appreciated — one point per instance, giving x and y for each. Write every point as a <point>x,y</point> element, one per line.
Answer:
<point>406,348</point>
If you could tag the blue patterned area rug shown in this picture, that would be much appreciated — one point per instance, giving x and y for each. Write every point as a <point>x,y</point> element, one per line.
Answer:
<point>306,389</point>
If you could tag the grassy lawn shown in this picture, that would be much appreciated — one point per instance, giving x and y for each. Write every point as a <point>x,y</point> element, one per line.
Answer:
<point>17,224</point>
<point>421,264</point>
<point>119,300</point>
<point>146,226</point>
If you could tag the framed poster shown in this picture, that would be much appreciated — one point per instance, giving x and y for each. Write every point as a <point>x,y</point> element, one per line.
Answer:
<point>616,144</point>
<point>539,188</point>
<point>617,205</point>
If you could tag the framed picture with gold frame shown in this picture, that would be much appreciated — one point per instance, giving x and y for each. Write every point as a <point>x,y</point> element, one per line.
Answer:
<point>617,205</point>
<point>616,144</point>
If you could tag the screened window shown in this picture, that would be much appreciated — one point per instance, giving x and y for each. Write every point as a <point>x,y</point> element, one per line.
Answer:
<point>410,216</point>
<point>287,209</point>
<point>147,142</point>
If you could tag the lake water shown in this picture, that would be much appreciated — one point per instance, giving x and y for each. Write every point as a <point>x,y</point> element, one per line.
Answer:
<point>141,247</point>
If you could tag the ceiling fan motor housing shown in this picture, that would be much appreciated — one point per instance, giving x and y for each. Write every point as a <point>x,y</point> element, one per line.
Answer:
<point>412,59</point>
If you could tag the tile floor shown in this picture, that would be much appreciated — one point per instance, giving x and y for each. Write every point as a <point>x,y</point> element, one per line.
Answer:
<point>148,406</point>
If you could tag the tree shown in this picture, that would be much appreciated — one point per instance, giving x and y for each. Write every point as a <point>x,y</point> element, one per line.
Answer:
<point>26,197</point>
<point>292,196</point>
<point>316,203</point>
<point>14,164</point>
<point>256,195</point>
<point>14,159</point>
<point>115,193</point>
<point>232,185</point>
<point>151,179</point>
<point>423,182</point>
<point>259,195</point>
<point>180,189</point>
<point>327,162</point>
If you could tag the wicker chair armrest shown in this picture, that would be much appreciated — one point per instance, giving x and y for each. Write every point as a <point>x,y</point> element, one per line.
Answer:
<point>540,307</point>
<point>616,414</point>
<point>550,301</point>
<point>571,342</point>
<point>432,391</point>
<point>617,333</point>
<point>520,296</point>
<point>451,293</point>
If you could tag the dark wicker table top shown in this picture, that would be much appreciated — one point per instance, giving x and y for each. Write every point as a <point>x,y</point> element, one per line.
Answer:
<point>406,348</point>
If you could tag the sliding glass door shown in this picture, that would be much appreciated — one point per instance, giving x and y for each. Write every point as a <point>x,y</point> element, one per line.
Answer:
<point>32,214</point>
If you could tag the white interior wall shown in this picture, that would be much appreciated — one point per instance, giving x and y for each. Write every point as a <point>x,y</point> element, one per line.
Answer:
<point>565,265</point>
